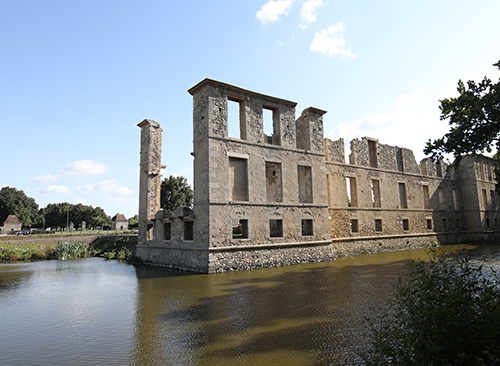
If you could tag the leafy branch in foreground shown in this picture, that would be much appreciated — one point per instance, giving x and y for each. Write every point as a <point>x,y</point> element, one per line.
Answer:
<point>447,312</point>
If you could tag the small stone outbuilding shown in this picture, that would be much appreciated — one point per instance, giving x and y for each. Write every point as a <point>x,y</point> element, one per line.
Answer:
<point>119,222</point>
<point>12,223</point>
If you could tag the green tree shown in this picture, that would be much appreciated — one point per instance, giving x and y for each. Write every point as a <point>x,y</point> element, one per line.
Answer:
<point>445,313</point>
<point>175,193</point>
<point>474,119</point>
<point>15,202</point>
<point>58,215</point>
<point>133,222</point>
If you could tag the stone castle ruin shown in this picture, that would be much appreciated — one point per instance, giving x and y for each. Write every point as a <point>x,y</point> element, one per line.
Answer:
<point>289,197</point>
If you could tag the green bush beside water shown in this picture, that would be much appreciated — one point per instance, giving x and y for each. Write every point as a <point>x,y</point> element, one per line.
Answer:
<point>446,312</point>
<point>69,250</point>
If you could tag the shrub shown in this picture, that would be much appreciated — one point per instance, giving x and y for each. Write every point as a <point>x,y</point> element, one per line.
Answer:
<point>447,312</point>
<point>69,250</point>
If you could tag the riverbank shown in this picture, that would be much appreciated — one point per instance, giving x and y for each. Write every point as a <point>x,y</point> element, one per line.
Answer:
<point>40,247</point>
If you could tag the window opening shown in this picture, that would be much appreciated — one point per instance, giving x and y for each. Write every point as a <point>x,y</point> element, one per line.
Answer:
<point>399,160</point>
<point>270,125</point>
<point>441,198</point>
<point>406,225</point>
<point>352,195</point>
<point>481,170</point>
<point>457,223</point>
<point>240,229</point>
<point>439,171</point>
<point>307,227</point>
<point>429,224</point>
<point>488,171</point>
<point>378,225</point>
<point>188,230</point>
<point>455,199</point>
<point>444,223</point>
<point>375,186</point>
<point>485,199</point>
<point>487,223</point>
<point>403,203</point>
<point>372,153</point>
<point>276,228</point>
<point>425,190</point>
<point>354,226</point>
<point>492,198</point>
<point>274,185</point>
<point>238,186</point>
<point>305,184</point>
<point>234,119</point>
<point>167,231</point>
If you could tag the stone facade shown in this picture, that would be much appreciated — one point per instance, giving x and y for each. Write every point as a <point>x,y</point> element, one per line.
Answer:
<point>278,193</point>
<point>118,222</point>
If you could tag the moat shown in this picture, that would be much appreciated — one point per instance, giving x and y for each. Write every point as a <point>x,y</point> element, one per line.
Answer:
<point>91,311</point>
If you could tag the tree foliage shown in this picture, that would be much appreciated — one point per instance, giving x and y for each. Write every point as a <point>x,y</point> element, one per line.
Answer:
<point>15,202</point>
<point>58,215</point>
<point>445,313</point>
<point>175,193</point>
<point>474,119</point>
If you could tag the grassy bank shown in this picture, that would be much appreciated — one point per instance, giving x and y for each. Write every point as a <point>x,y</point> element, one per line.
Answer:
<point>121,247</point>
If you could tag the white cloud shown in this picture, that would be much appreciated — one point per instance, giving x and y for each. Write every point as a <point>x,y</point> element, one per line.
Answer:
<point>404,100</point>
<point>308,12</point>
<point>84,167</point>
<point>45,179</point>
<point>331,42</point>
<point>105,187</point>
<point>52,189</point>
<point>272,10</point>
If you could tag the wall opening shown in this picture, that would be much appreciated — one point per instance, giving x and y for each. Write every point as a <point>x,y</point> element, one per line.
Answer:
<point>240,229</point>
<point>354,226</point>
<point>455,199</point>
<point>492,198</point>
<point>406,225</point>
<point>274,184</point>
<point>307,227</point>
<point>439,170</point>
<point>372,153</point>
<point>352,192</point>
<point>167,231</point>
<point>425,191</point>
<point>188,230</point>
<point>305,184</point>
<point>488,223</point>
<point>429,224</point>
<point>375,187</point>
<point>481,170</point>
<point>270,121</point>
<point>399,160</point>
<point>234,119</point>
<point>276,228</point>
<point>238,181</point>
<point>444,224</point>
<point>488,171</point>
<point>457,223</point>
<point>485,199</point>
<point>403,203</point>
<point>441,198</point>
<point>378,225</point>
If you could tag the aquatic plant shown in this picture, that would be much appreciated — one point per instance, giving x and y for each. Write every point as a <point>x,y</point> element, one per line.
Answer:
<point>69,250</point>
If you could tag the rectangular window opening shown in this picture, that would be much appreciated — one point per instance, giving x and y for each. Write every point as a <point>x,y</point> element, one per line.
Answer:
<point>457,223</point>
<point>305,184</point>
<point>429,224</point>
<point>372,153</point>
<point>487,223</point>
<point>352,196</point>
<point>399,160</point>
<point>375,186</point>
<point>238,184</point>
<point>307,227</point>
<point>492,198</point>
<point>276,228</point>
<point>240,229</point>
<point>234,120</point>
<point>481,170</point>
<point>354,226</point>
<point>378,225</point>
<point>403,203</point>
<point>274,184</point>
<point>439,170</point>
<point>455,199</point>
<point>406,225</point>
<point>485,199</point>
<point>167,233</point>
<point>188,230</point>
<point>441,198</point>
<point>427,202</point>
<point>444,223</point>
<point>270,123</point>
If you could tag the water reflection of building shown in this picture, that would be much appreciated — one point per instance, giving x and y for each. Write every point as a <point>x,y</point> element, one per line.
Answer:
<point>278,193</point>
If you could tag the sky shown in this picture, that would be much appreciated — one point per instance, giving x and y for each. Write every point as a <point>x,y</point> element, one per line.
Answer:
<point>76,77</point>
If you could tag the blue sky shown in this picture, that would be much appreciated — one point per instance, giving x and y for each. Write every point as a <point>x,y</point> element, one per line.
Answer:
<point>77,76</point>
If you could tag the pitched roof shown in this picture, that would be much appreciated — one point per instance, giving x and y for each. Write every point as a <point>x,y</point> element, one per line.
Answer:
<point>12,219</point>
<point>119,217</point>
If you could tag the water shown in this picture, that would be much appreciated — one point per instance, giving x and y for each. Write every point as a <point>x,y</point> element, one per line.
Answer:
<point>96,312</point>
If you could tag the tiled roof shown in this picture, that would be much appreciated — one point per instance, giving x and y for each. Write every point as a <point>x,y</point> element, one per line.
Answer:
<point>119,217</point>
<point>12,219</point>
